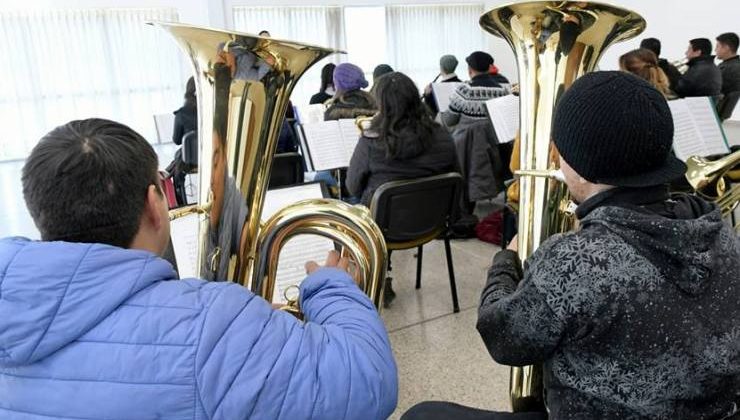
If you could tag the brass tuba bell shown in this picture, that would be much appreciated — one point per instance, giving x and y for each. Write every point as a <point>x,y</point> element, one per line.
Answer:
<point>555,42</point>
<point>708,178</point>
<point>243,84</point>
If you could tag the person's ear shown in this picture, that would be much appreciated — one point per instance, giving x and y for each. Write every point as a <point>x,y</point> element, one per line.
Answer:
<point>152,208</point>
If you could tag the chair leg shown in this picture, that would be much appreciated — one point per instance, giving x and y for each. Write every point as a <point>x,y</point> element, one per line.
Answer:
<point>419,255</point>
<point>451,270</point>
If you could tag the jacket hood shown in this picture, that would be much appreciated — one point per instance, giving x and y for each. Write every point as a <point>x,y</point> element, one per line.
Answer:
<point>688,246</point>
<point>52,293</point>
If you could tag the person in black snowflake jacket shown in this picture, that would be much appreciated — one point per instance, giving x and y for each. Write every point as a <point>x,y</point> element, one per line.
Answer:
<point>635,315</point>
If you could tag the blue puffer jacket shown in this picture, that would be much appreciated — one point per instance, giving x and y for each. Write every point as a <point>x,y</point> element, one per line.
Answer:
<point>93,331</point>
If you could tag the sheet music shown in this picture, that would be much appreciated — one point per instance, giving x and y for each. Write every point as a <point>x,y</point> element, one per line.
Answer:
<point>165,125</point>
<point>282,197</point>
<point>504,114</point>
<point>299,249</point>
<point>697,130</point>
<point>350,136</point>
<point>184,236</point>
<point>442,94</point>
<point>325,145</point>
<point>293,258</point>
<point>307,114</point>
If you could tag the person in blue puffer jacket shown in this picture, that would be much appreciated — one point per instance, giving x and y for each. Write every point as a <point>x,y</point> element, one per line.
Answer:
<point>94,324</point>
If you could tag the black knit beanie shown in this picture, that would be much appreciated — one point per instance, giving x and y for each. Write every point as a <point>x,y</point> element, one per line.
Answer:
<point>614,128</point>
<point>479,61</point>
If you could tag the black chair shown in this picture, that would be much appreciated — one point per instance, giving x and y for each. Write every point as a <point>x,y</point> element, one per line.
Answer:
<point>727,104</point>
<point>287,169</point>
<point>190,148</point>
<point>413,212</point>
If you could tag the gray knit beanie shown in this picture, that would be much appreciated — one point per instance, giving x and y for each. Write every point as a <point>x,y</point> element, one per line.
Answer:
<point>448,63</point>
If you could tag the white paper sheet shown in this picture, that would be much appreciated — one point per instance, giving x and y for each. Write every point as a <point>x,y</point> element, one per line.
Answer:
<point>350,136</point>
<point>278,198</point>
<point>299,249</point>
<point>293,258</point>
<point>504,113</point>
<point>184,236</point>
<point>697,130</point>
<point>307,114</point>
<point>442,94</point>
<point>325,145</point>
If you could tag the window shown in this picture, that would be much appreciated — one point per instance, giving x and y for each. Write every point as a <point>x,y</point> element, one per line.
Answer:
<point>322,26</point>
<point>366,43</point>
<point>419,35</point>
<point>65,64</point>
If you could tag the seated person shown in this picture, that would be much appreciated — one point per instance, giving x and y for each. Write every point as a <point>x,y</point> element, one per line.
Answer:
<point>635,314</point>
<point>186,120</point>
<point>726,49</point>
<point>468,103</point>
<point>643,63</point>
<point>403,142</point>
<point>703,78</point>
<point>447,66</point>
<point>326,91</point>
<point>671,72</point>
<point>350,101</point>
<point>381,70</point>
<point>94,324</point>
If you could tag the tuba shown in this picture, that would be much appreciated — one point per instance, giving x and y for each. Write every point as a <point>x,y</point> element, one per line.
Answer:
<point>555,42</point>
<point>243,83</point>
<point>710,180</point>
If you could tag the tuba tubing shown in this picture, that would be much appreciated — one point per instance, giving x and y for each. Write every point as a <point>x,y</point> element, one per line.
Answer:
<point>243,83</point>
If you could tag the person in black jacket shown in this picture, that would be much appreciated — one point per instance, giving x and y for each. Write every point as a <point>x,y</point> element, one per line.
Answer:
<point>703,78</point>
<point>634,314</point>
<point>326,91</point>
<point>726,49</point>
<point>653,44</point>
<point>186,117</point>
<point>186,120</point>
<point>447,66</point>
<point>403,142</point>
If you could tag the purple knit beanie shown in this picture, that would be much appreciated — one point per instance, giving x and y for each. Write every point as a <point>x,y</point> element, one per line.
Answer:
<point>349,77</point>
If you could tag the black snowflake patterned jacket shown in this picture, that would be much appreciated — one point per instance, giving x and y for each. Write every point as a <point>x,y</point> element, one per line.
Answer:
<point>635,316</point>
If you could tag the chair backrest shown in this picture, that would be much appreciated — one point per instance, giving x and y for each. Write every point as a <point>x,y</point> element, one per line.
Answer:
<point>287,169</point>
<point>726,106</point>
<point>411,209</point>
<point>164,123</point>
<point>190,148</point>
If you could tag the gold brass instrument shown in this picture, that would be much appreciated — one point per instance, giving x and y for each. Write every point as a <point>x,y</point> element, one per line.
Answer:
<point>363,123</point>
<point>555,42</point>
<point>243,83</point>
<point>708,178</point>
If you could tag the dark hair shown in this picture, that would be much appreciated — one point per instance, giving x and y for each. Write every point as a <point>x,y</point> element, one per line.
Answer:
<point>327,76</point>
<point>264,31</point>
<point>643,63</point>
<point>190,99</point>
<point>652,44</point>
<point>402,122</point>
<point>730,39</point>
<point>702,44</point>
<point>87,180</point>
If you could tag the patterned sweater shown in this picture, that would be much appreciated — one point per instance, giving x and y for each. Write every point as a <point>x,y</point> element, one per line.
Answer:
<point>635,316</point>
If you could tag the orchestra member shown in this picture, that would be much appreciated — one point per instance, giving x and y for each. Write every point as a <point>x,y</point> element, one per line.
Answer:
<point>94,324</point>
